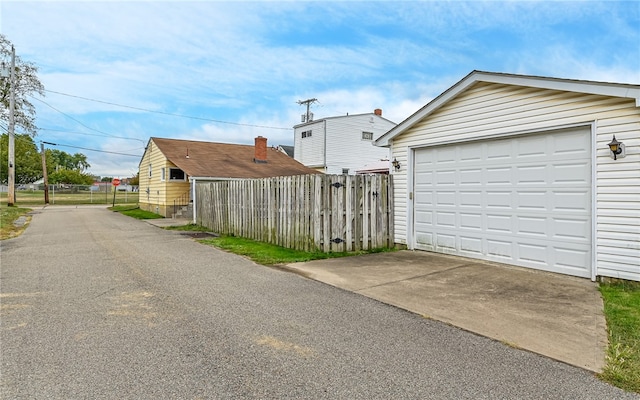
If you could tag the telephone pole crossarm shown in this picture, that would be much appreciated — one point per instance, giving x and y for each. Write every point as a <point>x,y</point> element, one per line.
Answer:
<point>308,103</point>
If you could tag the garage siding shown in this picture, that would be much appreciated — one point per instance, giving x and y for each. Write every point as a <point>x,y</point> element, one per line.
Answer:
<point>487,110</point>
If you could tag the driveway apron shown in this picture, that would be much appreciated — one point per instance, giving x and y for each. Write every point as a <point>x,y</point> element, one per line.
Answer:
<point>554,315</point>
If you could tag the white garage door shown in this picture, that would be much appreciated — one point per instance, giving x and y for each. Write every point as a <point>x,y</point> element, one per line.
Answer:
<point>523,200</point>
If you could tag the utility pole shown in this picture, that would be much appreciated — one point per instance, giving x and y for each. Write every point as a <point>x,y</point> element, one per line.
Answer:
<point>44,174</point>
<point>309,116</point>
<point>11,198</point>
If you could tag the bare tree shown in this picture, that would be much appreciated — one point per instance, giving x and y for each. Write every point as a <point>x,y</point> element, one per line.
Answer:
<point>26,84</point>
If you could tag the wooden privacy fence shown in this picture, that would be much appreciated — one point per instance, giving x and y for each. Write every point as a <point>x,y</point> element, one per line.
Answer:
<point>306,212</point>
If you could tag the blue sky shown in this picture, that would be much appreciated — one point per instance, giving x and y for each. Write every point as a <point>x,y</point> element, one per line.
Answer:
<point>238,68</point>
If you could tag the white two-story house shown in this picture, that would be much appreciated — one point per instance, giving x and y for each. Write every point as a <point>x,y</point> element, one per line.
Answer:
<point>341,145</point>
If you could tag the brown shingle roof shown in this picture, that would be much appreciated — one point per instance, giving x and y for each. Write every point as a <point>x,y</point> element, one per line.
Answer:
<point>223,160</point>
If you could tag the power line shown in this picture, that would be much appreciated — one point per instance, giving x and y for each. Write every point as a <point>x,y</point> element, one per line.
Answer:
<point>167,113</point>
<point>96,150</point>
<point>78,121</point>
<point>88,134</point>
<point>20,138</point>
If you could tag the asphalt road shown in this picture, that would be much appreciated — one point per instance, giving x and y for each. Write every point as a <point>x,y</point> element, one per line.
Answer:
<point>96,305</point>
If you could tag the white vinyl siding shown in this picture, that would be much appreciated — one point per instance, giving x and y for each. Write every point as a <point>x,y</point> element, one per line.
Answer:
<point>487,110</point>
<point>345,147</point>
<point>337,143</point>
<point>310,149</point>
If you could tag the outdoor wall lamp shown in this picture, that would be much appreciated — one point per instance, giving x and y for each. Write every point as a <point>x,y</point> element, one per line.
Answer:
<point>617,148</point>
<point>395,163</point>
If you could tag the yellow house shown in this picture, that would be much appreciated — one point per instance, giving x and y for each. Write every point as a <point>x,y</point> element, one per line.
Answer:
<point>168,166</point>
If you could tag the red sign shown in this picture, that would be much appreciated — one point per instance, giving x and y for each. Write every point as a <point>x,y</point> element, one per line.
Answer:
<point>115,182</point>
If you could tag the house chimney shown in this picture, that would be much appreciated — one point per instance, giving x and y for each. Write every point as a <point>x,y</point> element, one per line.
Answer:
<point>378,111</point>
<point>261,149</point>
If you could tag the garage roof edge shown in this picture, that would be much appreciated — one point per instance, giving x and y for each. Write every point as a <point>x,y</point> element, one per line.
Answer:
<point>570,85</point>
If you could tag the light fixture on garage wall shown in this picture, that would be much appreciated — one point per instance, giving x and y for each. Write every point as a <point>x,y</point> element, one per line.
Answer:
<point>395,163</point>
<point>617,148</point>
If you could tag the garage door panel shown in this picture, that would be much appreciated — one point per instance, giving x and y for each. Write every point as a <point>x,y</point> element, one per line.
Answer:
<point>471,176</point>
<point>497,223</point>
<point>446,198</point>
<point>424,218</point>
<point>531,148</point>
<point>469,155</point>
<point>571,201</point>
<point>470,198</point>
<point>501,249</point>
<point>574,173</point>
<point>500,150</point>
<point>532,226</point>
<point>531,174</point>
<point>445,242</point>
<point>531,200</point>
<point>424,199</point>
<point>471,245</point>
<point>498,199</point>
<point>425,179</point>
<point>573,259</point>
<point>498,176</point>
<point>445,219</point>
<point>532,253</point>
<point>446,177</point>
<point>570,144</point>
<point>572,229</point>
<point>522,200</point>
<point>470,221</point>
<point>446,155</point>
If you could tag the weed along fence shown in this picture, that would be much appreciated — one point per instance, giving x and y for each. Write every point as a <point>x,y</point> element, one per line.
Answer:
<point>308,212</point>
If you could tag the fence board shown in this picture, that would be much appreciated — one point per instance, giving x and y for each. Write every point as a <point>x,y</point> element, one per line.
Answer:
<point>317,211</point>
<point>310,212</point>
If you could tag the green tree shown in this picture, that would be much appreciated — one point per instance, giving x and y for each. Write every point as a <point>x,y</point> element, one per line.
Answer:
<point>135,180</point>
<point>28,159</point>
<point>57,159</point>
<point>79,162</point>
<point>26,84</point>
<point>106,179</point>
<point>70,176</point>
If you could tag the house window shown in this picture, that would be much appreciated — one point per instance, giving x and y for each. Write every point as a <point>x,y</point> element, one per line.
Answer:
<point>306,134</point>
<point>162,174</point>
<point>367,135</point>
<point>176,174</point>
<point>149,170</point>
<point>345,171</point>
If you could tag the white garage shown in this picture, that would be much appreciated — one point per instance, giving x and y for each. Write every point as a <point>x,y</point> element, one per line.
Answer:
<point>518,170</point>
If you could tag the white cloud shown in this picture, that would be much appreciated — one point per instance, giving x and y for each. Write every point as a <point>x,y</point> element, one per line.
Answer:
<point>248,62</point>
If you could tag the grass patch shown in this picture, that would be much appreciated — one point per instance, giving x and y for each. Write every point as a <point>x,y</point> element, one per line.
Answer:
<point>135,212</point>
<point>7,216</point>
<point>270,254</point>
<point>188,228</point>
<point>622,311</point>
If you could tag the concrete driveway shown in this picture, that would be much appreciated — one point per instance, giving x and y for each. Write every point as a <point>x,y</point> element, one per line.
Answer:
<point>550,314</point>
